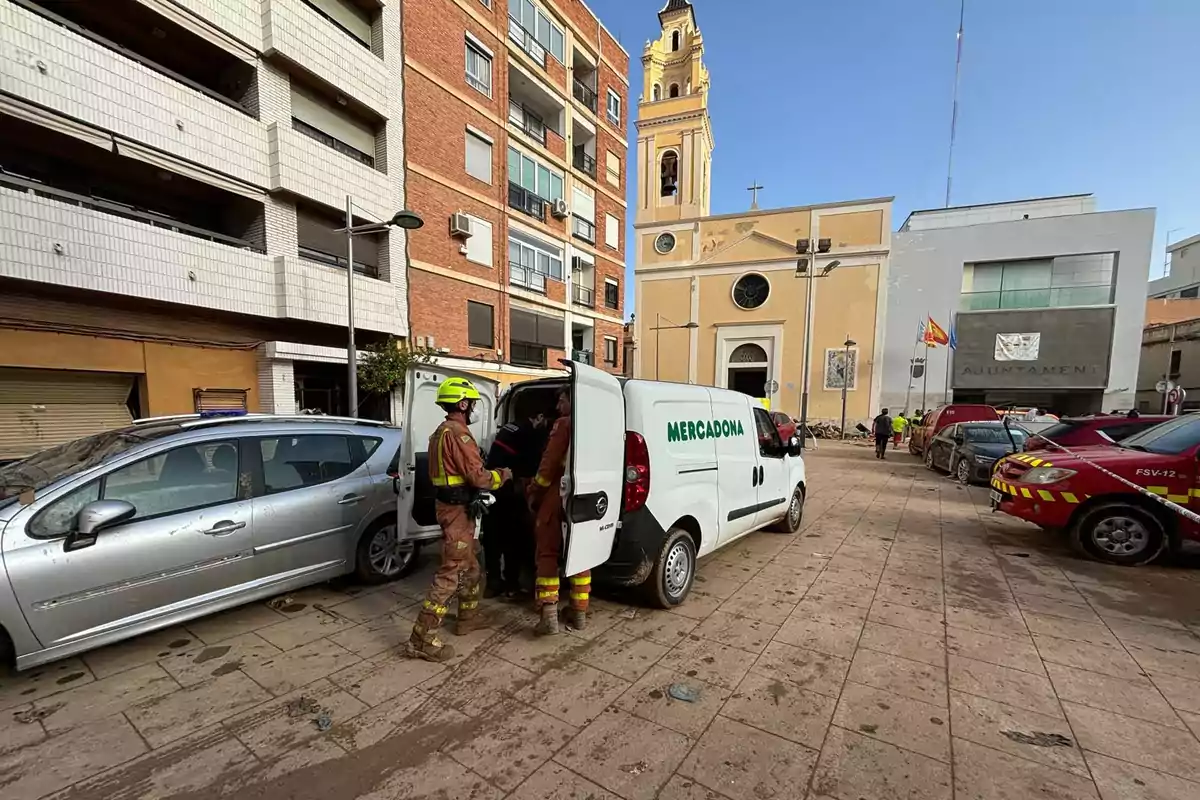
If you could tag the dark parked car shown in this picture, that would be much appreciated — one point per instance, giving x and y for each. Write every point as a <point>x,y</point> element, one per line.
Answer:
<point>969,450</point>
<point>1083,431</point>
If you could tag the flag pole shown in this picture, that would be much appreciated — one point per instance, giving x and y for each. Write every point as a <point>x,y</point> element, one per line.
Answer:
<point>950,357</point>
<point>911,362</point>
<point>925,373</point>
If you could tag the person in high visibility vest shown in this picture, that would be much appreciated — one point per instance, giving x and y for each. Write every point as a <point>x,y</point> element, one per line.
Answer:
<point>455,469</point>
<point>546,503</point>
<point>899,425</point>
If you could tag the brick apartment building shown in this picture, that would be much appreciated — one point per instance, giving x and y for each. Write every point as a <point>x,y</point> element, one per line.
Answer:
<point>516,157</point>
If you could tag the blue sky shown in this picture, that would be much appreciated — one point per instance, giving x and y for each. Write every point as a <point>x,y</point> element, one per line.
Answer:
<point>825,101</point>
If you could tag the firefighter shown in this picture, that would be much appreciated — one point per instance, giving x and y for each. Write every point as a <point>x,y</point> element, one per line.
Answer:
<point>546,504</point>
<point>455,468</point>
<point>507,528</point>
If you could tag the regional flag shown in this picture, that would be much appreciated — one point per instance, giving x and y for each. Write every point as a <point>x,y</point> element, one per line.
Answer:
<point>934,335</point>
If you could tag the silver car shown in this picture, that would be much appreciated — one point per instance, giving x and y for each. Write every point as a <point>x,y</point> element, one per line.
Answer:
<point>121,533</point>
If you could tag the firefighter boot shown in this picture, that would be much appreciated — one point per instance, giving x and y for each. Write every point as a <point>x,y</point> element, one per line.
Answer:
<point>469,620</point>
<point>549,622</point>
<point>432,650</point>
<point>576,619</point>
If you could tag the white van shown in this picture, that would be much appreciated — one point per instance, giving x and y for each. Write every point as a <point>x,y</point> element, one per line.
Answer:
<point>660,473</point>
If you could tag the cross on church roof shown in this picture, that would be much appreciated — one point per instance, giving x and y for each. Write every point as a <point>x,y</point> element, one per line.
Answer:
<point>754,189</point>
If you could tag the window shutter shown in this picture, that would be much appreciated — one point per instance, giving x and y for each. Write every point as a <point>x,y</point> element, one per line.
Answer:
<point>479,158</point>
<point>219,400</point>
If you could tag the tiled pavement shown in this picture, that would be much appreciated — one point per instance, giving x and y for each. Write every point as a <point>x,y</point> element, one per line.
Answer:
<point>906,643</point>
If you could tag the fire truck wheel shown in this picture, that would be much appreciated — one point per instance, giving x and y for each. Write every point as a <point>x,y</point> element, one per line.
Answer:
<point>1119,533</point>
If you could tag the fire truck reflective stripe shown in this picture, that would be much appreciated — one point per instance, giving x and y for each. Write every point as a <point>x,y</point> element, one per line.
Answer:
<point>1181,499</point>
<point>1045,495</point>
<point>1025,493</point>
<point>1037,462</point>
<point>1195,492</point>
<point>1161,490</point>
<point>1070,498</point>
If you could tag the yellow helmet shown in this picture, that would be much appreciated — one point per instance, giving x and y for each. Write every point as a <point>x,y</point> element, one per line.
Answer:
<point>454,390</point>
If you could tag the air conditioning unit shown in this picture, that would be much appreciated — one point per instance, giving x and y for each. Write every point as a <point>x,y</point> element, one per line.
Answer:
<point>421,342</point>
<point>460,225</point>
<point>560,209</point>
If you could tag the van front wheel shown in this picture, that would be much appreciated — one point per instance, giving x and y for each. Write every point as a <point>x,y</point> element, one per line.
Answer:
<point>790,522</point>
<point>674,570</point>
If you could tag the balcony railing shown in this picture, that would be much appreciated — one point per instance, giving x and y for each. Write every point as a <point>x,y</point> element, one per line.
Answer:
<point>329,141</point>
<point>526,121</point>
<point>582,356</point>
<point>334,260</point>
<point>1060,297</point>
<point>526,41</point>
<point>523,354</point>
<point>526,201</point>
<point>122,210</point>
<point>584,94</point>
<point>526,277</point>
<point>322,13</point>
<point>583,296</point>
<point>584,162</point>
<point>582,229</point>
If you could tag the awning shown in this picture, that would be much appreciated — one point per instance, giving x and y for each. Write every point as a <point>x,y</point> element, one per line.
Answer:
<point>55,122</point>
<point>203,29</point>
<point>177,165</point>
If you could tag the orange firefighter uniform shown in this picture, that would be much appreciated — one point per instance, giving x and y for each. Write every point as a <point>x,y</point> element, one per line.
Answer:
<point>455,468</point>
<point>548,535</point>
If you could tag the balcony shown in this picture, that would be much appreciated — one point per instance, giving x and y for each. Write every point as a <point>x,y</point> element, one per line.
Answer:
<point>584,94</point>
<point>582,229</point>
<point>308,168</point>
<point>332,143</point>
<point>526,202</point>
<point>527,42</point>
<point>523,354</point>
<point>1051,297</point>
<point>583,296</point>
<point>526,121</point>
<point>584,162</point>
<point>526,277</point>
<point>583,356</point>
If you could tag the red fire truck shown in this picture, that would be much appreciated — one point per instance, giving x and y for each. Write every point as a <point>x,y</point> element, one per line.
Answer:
<point>1110,498</point>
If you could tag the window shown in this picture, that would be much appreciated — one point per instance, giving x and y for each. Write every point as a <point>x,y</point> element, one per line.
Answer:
<point>294,462</point>
<point>346,16</point>
<point>479,157</point>
<point>1176,357</point>
<point>1062,281</point>
<point>673,91</point>
<point>479,243</point>
<point>614,107</point>
<point>480,324</point>
<point>612,293</point>
<point>535,22</point>
<point>533,177</point>
<point>612,232</point>
<point>1191,291</point>
<point>318,241</point>
<point>613,168</point>
<point>674,41</point>
<point>321,118</point>
<point>57,518</point>
<point>656,92</point>
<point>610,351</point>
<point>1169,438</point>
<point>669,174</point>
<point>751,291</point>
<point>479,68</point>
<point>531,262</point>
<point>769,443</point>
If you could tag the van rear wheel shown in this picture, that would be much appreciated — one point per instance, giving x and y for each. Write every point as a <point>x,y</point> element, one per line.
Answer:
<point>790,522</point>
<point>1120,534</point>
<point>674,570</point>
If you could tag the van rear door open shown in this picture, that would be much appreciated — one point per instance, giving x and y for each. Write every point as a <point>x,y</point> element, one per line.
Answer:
<point>597,467</point>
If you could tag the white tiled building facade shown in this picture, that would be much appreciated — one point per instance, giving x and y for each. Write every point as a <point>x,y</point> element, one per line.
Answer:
<point>65,75</point>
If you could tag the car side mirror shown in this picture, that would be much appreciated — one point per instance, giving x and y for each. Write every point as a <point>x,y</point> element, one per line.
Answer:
<point>94,518</point>
<point>959,438</point>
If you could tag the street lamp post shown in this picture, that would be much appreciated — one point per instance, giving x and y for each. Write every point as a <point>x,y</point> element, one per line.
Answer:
<point>406,220</point>
<point>658,336</point>
<point>846,377</point>
<point>806,267</point>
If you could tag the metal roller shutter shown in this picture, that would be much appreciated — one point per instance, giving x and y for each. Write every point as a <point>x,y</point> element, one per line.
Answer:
<point>44,408</point>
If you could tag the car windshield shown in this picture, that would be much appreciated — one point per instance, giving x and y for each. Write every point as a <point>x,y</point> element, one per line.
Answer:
<point>44,468</point>
<point>993,434</point>
<point>1175,436</point>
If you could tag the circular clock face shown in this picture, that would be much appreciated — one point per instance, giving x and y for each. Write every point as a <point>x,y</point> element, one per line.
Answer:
<point>751,291</point>
<point>665,243</point>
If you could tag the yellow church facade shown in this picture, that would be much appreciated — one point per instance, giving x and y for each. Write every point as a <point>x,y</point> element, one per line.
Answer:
<point>719,299</point>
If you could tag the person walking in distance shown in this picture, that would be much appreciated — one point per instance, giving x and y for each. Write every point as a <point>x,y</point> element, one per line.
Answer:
<point>899,424</point>
<point>456,471</point>
<point>546,503</point>
<point>881,428</point>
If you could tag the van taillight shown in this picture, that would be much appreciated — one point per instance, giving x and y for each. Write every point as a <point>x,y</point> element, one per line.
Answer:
<point>637,472</point>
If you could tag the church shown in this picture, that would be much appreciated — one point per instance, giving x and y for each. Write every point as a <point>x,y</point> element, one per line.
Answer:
<point>721,299</point>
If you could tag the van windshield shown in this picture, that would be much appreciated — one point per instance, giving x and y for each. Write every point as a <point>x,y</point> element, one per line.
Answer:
<point>1169,438</point>
<point>42,469</point>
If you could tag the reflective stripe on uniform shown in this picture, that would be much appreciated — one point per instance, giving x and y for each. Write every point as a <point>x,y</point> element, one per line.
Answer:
<point>496,480</point>
<point>440,478</point>
<point>547,581</point>
<point>467,605</point>
<point>579,595</point>
<point>435,608</point>
<point>540,481</point>
<point>547,595</point>
<point>581,580</point>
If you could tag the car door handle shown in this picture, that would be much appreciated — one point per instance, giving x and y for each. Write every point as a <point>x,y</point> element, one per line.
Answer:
<point>224,528</point>
<point>350,499</point>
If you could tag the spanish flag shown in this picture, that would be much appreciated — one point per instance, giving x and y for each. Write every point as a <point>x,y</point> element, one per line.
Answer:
<point>934,335</point>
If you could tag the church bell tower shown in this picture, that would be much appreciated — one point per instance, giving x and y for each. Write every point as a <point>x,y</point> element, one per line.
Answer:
<point>674,131</point>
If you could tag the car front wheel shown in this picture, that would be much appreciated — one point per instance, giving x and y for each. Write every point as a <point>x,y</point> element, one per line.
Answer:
<point>962,471</point>
<point>381,556</point>
<point>929,459</point>
<point>1120,534</point>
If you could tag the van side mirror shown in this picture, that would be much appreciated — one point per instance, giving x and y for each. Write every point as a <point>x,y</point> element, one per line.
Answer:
<point>94,518</point>
<point>794,446</point>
